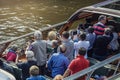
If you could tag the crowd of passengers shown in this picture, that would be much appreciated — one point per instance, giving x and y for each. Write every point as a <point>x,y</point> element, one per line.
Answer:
<point>63,55</point>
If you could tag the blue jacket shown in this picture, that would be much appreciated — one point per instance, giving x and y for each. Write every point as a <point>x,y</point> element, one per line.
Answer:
<point>57,64</point>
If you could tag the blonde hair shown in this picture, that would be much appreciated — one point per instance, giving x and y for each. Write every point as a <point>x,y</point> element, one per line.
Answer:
<point>52,35</point>
<point>34,70</point>
<point>58,77</point>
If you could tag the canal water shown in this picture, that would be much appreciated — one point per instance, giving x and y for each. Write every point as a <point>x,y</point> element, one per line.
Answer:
<point>18,17</point>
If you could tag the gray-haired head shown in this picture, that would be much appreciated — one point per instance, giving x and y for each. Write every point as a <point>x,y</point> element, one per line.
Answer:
<point>38,35</point>
<point>30,55</point>
<point>101,17</point>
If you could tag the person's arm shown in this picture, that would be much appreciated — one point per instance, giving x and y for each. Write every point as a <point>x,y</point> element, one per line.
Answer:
<point>66,62</point>
<point>67,73</point>
<point>69,69</point>
<point>17,58</point>
<point>49,64</point>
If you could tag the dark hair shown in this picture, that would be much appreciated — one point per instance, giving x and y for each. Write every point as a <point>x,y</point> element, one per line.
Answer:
<point>14,47</point>
<point>74,32</point>
<point>55,43</point>
<point>82,51</point>
<point>65,34</point>
<point>82,36</point>
<point>107,31</point>
<point>88,20</point>
<point>1,62</point>
<point>101,17</point>
<point>90,30</point>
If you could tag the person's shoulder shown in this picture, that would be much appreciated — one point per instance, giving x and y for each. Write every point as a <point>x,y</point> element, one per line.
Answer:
<point>41,77</point>
<point>29,79</point>
<point>44,41</point>
<point>55,54</point>
<point>20,64</point>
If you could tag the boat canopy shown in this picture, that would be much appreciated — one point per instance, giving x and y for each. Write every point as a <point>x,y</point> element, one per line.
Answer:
<point>107,7</point>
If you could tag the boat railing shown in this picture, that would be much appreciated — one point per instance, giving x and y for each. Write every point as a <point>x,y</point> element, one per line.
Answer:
<point>89,71</point>
<point>104,3</point>
<point>114,77</point>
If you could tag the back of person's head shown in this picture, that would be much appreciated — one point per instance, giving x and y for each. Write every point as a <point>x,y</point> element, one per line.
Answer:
<point>55,43</point>
<point>30,55</point>
<point>14,48</point>
<point>111,28</point>
<point>101,17</point>
<point>34,70</point>
<point>52,35</point>
<point>65,34</point>
<point>58,77</point>
<point>88,20</point>
<point>90,30</point>
<point>107,31</point>
<point>82,36</point>
<point>82,51</point>
<point>38,35</point>
<point>62,48</point>
<point>74,32</point>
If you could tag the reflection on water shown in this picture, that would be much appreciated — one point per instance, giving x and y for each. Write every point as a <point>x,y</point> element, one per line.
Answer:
<point>18,17</point>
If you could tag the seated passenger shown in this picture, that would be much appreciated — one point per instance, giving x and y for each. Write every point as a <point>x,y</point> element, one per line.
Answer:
<point>11,55</point>
<point>34,74</point>
<point>26,65</point>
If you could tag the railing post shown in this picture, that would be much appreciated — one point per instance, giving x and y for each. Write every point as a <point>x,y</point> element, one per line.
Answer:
<point>89,75</point>
<point>117,68</point>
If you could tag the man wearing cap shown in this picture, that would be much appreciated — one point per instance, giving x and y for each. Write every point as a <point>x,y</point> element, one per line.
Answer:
<point>26,65</point>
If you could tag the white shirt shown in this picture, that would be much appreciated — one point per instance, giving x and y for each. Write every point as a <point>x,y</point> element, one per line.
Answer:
<point>79,44</point>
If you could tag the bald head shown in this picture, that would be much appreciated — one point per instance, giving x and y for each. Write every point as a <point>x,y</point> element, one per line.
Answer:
<point>62,48</point>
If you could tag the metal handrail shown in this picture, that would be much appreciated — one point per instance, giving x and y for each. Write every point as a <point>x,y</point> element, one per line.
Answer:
<point>114,77</point>
<point>42,29</point>
<point>104,3</point>
<point>93,68</point>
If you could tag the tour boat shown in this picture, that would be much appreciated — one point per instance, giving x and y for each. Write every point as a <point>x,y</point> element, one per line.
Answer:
<point>110,8</point>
